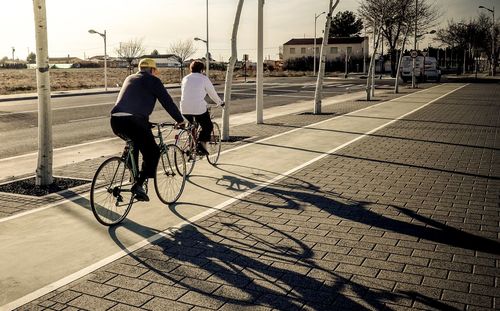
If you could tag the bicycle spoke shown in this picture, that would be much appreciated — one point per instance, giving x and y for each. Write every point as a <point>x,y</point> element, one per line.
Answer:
<point>110,195</point>
<point>170,174</point>
<point>214,145</point>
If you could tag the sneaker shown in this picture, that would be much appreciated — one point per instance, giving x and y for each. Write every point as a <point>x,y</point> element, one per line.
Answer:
<point>139,193</point>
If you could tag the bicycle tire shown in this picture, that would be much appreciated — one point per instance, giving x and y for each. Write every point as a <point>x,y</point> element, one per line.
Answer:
<point>184,142</point>
<point>214,145</point>
<point>110,194</point>
<point>169,182</point>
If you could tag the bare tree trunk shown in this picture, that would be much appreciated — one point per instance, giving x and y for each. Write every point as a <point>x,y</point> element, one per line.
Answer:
<point>371,77</point>
<point>44,168</point>
<point>394,60</point>
<point>259,94</point>
<point>322,63</point>
<point>229,74</point>
<point>396,83</point>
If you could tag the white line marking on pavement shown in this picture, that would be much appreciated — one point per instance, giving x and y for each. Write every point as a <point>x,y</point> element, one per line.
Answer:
<point>62,148</point>
<point>54,109</point>
<point>88,119</point>
<point>70,278</point>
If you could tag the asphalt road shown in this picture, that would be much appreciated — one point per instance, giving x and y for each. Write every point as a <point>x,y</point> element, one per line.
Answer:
<point>80,119</point>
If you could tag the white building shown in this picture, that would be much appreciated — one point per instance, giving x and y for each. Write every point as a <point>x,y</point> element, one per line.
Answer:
<point>355,47</point>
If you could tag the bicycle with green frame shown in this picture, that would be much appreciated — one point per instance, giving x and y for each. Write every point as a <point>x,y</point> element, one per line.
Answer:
<point>111,196</point>
<point>187,140</point>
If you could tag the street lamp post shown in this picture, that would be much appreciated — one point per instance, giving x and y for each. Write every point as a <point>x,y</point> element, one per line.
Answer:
<point>493,65</point>
<point>103,35</point>
<point>207,56</point>
<point>314,60</point>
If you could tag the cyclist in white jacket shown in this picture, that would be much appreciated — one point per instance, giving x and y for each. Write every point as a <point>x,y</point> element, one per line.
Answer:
<point>194,88</point>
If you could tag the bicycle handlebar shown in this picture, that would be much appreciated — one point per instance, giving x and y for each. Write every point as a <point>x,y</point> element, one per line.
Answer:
<point>162,124</point>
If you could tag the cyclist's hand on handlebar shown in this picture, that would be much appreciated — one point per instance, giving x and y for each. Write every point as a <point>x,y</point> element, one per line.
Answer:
<point>180,125</point>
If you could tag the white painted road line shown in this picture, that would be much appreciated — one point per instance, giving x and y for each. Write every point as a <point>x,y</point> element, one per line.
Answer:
<point>55,109</point>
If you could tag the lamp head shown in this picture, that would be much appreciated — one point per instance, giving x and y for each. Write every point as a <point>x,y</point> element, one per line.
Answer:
<point>92,31</point>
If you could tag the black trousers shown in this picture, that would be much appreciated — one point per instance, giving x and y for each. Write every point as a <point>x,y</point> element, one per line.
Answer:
<point>205,123</point>
<point>139,131</point>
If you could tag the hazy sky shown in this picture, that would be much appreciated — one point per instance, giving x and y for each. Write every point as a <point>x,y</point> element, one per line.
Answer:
<point>162,22</point>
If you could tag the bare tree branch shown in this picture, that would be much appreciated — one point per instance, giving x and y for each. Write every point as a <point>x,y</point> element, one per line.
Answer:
<point>394,16</point>
<point>130,50</point>
<point>182,49</point>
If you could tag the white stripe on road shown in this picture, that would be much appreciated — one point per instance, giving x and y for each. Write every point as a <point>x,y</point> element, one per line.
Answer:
<point>62,148</point>
<point>88,119</point>
<point>54,109</point>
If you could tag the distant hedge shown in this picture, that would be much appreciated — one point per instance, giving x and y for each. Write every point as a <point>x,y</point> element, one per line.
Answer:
<point>13,66</point>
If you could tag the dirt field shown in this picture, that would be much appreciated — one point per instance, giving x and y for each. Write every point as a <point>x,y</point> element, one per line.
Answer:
<point>24,80</point>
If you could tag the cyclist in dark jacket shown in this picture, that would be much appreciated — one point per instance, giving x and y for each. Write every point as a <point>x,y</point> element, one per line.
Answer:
<point>130,117</point>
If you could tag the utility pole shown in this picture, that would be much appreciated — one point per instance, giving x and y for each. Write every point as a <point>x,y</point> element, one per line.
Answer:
<point>13,50</point>
<point>259,105</point>
<point>44,168</point>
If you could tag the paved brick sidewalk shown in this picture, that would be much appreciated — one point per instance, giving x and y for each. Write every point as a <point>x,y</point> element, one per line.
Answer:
<point>405,219</point>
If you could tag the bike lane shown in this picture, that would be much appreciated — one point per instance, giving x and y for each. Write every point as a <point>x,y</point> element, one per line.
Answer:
<point>47,249</point>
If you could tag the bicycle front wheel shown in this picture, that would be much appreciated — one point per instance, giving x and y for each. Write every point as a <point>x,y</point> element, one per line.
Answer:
<point>170,174</point>
<point>184,141</point>
<point>214,145</point>
<point>110,194</point>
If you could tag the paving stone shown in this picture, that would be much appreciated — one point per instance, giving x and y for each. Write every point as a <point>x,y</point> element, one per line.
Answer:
<point>202,300</point>
<point>126,282</point>
<point>160,304</point>
<point>87,302</point>
<point>164,291</point>
<point>93,289</point>
<point>129,297</point>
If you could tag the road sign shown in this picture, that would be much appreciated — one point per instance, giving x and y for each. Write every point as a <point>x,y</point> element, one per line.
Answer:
<point>424,53</point>
<point>413,54</point>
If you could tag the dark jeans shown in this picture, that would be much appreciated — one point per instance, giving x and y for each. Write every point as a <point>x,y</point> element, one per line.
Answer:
<point>205,123</point>
<point>139,131</point>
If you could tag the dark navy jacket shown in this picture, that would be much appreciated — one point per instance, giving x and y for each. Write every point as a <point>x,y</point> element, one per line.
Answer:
<point>139,94</point>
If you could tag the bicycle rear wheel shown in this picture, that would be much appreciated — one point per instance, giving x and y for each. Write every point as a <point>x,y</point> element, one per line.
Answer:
<point>184,142</point>
<point>110,194</point>
<point>214,145</point>
<point>170,174</point>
